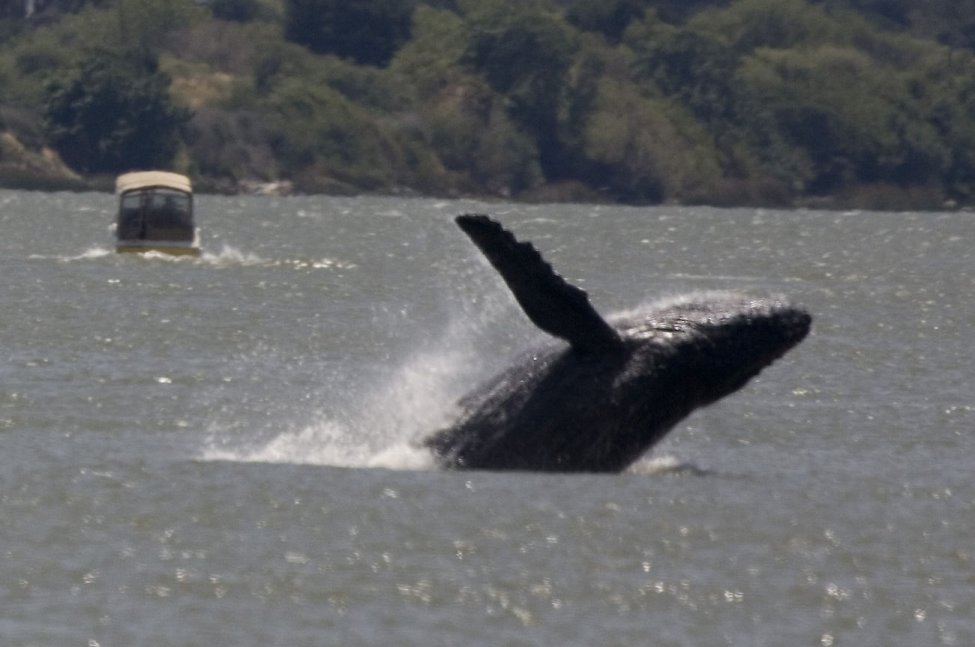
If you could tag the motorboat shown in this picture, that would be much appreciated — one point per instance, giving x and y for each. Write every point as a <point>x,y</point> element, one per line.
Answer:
<point>155,214</point>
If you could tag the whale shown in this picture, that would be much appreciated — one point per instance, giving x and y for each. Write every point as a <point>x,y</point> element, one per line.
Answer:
<point>604,391</point>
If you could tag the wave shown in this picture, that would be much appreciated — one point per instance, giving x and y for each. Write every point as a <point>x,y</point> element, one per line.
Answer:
<point>665,464</point>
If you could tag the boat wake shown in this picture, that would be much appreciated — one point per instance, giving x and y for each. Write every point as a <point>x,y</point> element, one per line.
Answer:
<point>232,257</point>
<point>87,255</point>
<point>226,257</point>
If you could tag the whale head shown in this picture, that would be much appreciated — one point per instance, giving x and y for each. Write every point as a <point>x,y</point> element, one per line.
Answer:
<point>713,343</point>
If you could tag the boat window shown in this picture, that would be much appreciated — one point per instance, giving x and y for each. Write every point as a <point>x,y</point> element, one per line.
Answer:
<point>170,207</point>
<point>130,221</point>
<point>169,215</point>
<point>156,214</point>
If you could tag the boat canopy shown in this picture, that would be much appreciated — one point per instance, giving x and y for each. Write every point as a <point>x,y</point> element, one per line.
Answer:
<point>145,179</point>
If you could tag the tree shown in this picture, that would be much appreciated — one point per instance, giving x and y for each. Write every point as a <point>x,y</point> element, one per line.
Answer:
<point>610,18</point>
<point>235,10</point>
<point>695,69</point>
<point>652,151</point>
<point>525,55</point>
<point>849,119</point>
<point>113,114</point>
<point>748,25</point>
<point>367,31</point>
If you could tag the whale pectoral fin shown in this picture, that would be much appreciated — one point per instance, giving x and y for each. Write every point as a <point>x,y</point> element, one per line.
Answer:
<point>550,302</point>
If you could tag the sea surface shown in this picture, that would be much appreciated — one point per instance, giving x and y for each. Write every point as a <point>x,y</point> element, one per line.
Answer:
<point>221,451</point>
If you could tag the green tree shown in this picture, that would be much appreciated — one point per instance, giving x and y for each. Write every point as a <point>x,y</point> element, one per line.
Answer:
<point>852,121</point>
<point>113,114</point>
<point>695,69</point>
<point>367,31</point>
<point>678,12</point>
<point>525,55</point>
<point>314,126</point>
<point>610,18</point>
<point>429,60</point>
<point>652,150</point>
<point>946,94</point>
<point>144,27</point>
<point>748,25</point>
<point>235,10</point>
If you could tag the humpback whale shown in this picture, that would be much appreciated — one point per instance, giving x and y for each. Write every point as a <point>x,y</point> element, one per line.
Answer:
<point>597,400</point>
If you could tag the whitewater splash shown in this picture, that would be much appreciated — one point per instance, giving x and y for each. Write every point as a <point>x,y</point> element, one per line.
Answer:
<point>382,428</point>
<point>378,428</point>
<point>379,421</point>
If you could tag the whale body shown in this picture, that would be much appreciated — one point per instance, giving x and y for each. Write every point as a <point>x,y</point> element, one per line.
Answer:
<point>597,400</point>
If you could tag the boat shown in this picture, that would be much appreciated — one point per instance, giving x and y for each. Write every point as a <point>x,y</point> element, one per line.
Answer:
<point>155,214</point>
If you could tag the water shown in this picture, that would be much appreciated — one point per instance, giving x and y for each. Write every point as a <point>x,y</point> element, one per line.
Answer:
<point>217,451</point>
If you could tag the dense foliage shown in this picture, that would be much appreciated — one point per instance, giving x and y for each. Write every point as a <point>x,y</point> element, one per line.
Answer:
<point>113,114</point>
<point>842,102</point>
<point>366,31</point>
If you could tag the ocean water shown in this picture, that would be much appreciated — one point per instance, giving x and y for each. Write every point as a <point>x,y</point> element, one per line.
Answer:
<point>221,450</point>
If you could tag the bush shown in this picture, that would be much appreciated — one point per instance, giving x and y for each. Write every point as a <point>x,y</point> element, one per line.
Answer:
<point>651,152</point>
<point>475,138</point>
<point>696,70</point>
<point>315,126</point>
<point>853,121</point>
<point>429,60</point>
<point>748,25</point>
<point>231,145</point>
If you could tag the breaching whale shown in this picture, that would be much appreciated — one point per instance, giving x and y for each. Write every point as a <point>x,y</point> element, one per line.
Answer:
<point>598,402</point>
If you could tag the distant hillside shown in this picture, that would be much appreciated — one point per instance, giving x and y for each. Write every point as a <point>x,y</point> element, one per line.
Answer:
<point>864,103</point>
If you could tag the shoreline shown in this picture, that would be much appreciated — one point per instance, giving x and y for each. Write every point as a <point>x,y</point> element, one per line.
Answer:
<point>867,199</point>
<point>26,170</point>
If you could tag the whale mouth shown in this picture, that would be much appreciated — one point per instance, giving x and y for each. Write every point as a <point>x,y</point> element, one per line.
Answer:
<point>798,325</point>
<point>784,323</point>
